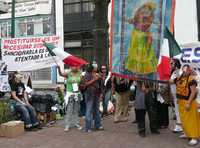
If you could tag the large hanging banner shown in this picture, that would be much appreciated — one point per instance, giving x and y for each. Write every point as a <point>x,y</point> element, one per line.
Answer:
<point>137,35</point>
<point>25,54</point>
<point>32,7</point>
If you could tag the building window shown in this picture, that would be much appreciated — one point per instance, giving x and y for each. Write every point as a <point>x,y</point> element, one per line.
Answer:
<point>88,6</point>
<point>22,28</point>
<point>71,1</point>
<point>5,29</point>
<point>72,8</point>
<point>46,27</point>
<point>41,74</point>
<point>30,27</point>
<point>34,26</point>
<point>76,6</point>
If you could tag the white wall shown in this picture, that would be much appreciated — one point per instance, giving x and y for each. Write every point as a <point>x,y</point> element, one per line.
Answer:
<point>60,29</point>
<point>186,30</point>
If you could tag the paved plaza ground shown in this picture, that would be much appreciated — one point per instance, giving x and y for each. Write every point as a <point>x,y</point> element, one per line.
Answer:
<point>120,135</point>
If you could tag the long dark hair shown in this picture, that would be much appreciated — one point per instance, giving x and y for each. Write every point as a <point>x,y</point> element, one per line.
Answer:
<point>177,64</point>
<point>89,68</point>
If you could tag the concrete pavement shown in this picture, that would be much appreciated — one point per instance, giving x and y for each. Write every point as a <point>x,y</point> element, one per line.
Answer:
<point>120,135</point>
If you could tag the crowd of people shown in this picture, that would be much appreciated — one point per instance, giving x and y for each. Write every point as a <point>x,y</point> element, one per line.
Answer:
<point>86,88</point>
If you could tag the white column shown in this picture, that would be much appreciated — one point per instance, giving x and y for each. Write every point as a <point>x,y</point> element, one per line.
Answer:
<point>59,29</point>
<point>186,30</point>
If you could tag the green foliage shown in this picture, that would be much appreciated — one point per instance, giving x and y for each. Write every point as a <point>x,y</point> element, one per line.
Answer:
<point>61,97</point>
<point>5,113</point>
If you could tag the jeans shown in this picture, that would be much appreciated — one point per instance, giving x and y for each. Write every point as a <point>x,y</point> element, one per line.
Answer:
<point>106,100</point>
<point>28,114</point>
<point>92,112</point>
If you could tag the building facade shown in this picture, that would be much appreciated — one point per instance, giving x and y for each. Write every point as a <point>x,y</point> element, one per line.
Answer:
<point>79,27</point>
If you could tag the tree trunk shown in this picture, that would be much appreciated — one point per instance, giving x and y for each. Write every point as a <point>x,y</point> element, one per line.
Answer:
<point>101,37</point>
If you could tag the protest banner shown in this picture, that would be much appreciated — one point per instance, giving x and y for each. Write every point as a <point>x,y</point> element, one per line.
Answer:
<point>191,55</point>
<point>33,7</point>
<point>137,33</point>
<point>26,54</point>
<point>4,85</point>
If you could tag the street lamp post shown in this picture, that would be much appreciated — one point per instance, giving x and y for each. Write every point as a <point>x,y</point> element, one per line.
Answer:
<point>13,20</point>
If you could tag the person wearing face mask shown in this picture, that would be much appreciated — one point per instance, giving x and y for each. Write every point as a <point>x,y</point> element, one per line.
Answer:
<point>107,85</point>
<point>175,72</point>
<point>21,103</point>
<point>186,92</point>
<point>92,81</point>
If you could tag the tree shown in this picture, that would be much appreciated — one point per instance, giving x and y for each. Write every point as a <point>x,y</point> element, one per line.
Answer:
<point>100,33</point>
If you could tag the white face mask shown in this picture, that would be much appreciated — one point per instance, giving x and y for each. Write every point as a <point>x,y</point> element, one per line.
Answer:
<point>184,69</point>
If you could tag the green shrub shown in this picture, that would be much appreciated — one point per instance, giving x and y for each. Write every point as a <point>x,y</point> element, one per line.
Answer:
<point>5,112</point>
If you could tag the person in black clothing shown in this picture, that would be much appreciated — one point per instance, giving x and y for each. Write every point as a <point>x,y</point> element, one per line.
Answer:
<point>106,90</point>
<point>146,102</point>
<point>21,103</point>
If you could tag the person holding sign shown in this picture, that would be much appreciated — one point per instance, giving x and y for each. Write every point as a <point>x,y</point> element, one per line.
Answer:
<point>72,98</point>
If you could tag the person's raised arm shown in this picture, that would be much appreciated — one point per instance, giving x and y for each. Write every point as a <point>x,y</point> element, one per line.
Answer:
<point>63,74</point>
<point>88,83</point>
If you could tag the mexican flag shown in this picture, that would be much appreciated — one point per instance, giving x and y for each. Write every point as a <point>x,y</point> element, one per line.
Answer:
<point>67,58</point>
<point>169,49</point>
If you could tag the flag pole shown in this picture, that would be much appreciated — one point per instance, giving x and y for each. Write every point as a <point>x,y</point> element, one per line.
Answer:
<point>51,55</point>
<point>54,60</point>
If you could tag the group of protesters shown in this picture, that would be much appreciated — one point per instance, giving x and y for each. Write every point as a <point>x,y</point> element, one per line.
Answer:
<point>180,92</point>
<point>90,85</point>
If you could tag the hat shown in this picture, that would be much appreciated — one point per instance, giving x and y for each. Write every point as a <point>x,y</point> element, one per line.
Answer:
<point>18,76</point>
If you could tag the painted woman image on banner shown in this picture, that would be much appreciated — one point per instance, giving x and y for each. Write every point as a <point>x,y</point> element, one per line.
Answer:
<point>141,55</point>
<point>137,35</point>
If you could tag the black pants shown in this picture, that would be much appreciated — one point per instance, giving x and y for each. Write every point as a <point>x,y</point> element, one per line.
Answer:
<point>141,121</point>
<point>163,115</point>
<point>151,109</point>
<point>136,115</point>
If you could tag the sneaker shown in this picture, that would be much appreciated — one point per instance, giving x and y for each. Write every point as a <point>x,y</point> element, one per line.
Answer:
<point>100,128</point>
<point>87,131</point>
<point>66,129</point>
<point>177,129</point>
<point>183,136</point>
<point>78,127</point>
<point>193,142</point>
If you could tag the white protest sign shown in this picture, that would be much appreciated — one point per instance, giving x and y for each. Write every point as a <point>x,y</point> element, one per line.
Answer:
<point>25,54</point>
